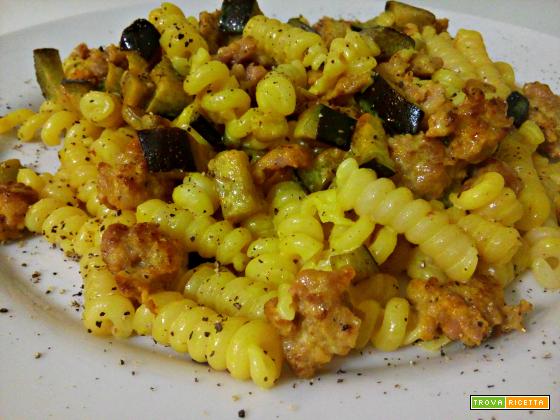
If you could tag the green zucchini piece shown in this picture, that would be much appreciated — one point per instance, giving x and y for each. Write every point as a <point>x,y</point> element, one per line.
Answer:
<point>405,13</point>
<point>9,170</point>
<point>322,171</point>
<point>299,22</point>
<point>113,79</point>
<point>48,71</point>
<point>369,146</point>
<point>166,149</point>
<point>399,116</point>
<point>169,97</point>
<point>235,15</point>
<point>71,91</point>
<point>239,196</point>
<point>517,108</point>
<point>360,260</point>
<point>136,89</point>
<point>388,40</point>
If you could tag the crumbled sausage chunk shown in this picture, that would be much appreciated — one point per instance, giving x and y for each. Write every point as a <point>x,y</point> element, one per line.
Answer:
<point>545,111</point>
<point>15,199</point>
<point>129,183</point>
<point>349,84</point>
<point>480,125</point>
<point>323,325</point>
<point>425,66</point>
<point>239,51</point>
<point>208,28</point>
<point>329,29</point>
<point>421,164</point>
<point>88,64</point>
<point>465,311</point>
<point>142,258</point>
<point>249,76</point>
<point>280,159</point>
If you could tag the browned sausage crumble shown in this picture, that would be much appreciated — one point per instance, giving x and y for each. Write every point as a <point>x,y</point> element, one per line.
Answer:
<point>129,183</point>
<point>143,259</point>
<point>465,311</point>
<point>15,199</point>
<point>323,326</point>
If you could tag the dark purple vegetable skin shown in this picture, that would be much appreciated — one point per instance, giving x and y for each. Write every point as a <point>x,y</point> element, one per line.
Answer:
<point>235,15</point>
<point>167,149</point>
<point>208,132</point>
<point>399,115</point>
<point>335,128</point>
<point>141,36</point>
<point>517,108</point>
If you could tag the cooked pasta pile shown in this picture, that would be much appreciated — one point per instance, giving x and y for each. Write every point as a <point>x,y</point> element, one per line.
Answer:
<point>251,191</point>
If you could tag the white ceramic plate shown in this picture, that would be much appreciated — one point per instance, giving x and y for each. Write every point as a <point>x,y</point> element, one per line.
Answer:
<point>80,376</point>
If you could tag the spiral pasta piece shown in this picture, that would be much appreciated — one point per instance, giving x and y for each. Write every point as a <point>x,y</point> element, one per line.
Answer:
<point>544,251</point>
<point>387,328</point>
<point>110,144</point>
<point>285,43</point>
<point>485,189</point>
<point>200,233</point>
<point>180,38</point>
<point>300,234</point>
<point>383,244</point>
<point>33,180</point>
<point>106,311</point>
<point>471,45</point>
<point>422,267</point>
<point>14,119</point>
<point>441,45</point>
<point>102,109</point>
<point>505,208</point>
<point>247,349</point>
<point>219,94</point>
<point>223,291</point>
<point>379,199</point>
<point>38,212</point>
<point>536,205</point>
<point>496,243</point>
<point>453,84</point>
<point>62,225</point>
<point>197,193</point>
<point>55,125</point>
<point>348,57</point>
<point>268,262</point>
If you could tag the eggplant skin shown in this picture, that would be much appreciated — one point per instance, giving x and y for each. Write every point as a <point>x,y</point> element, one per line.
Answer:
<point>141,36</point>
<point>166,149</point>
<point>235,15</point>
<point>335,128</point>
<point>389,40</point>
<point>208,132</point>
<point>517,108</point>
<point>399,116</point>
